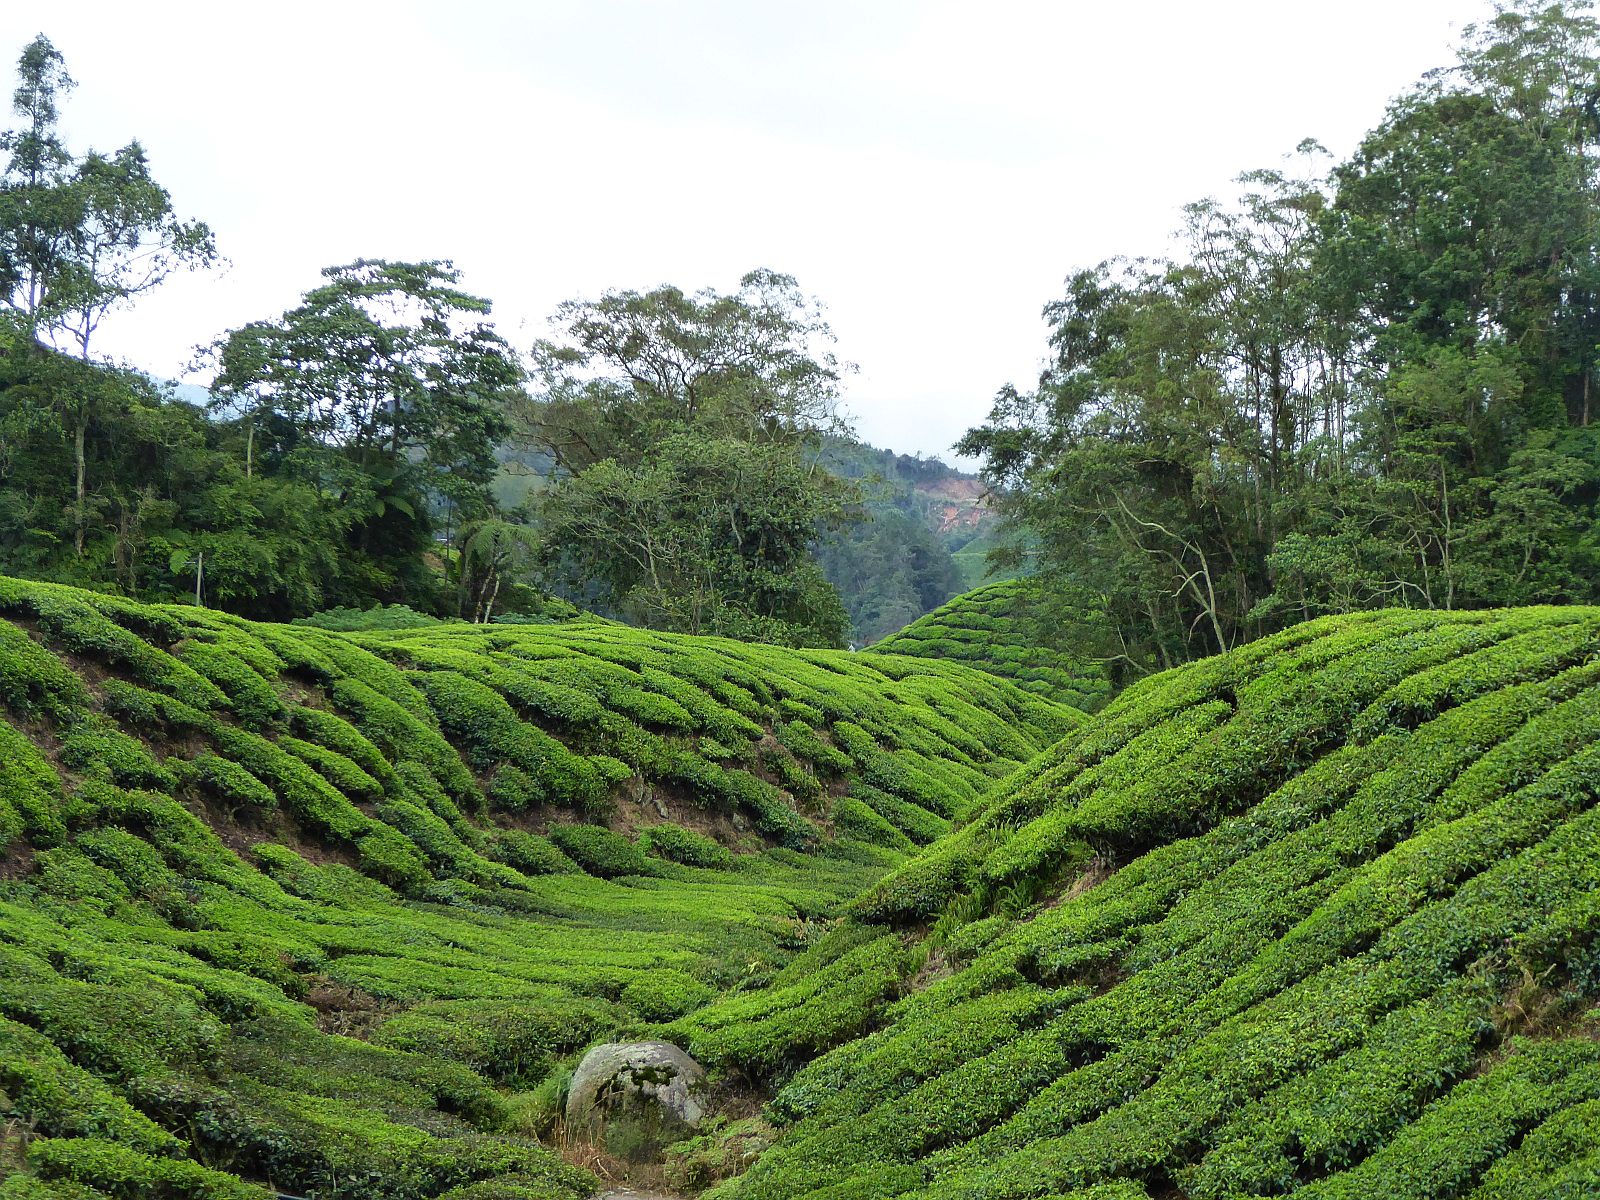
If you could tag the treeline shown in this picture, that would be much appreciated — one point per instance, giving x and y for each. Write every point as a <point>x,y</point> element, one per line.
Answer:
<point>1372,386</point>
<point>350,450</point>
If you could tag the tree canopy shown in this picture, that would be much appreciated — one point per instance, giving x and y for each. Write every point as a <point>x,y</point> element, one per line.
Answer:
<point>1353,388</point>
<point>684,435</point>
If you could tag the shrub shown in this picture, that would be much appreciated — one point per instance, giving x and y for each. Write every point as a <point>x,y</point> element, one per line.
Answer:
<point>249,694</point>
<point>60,1099</point>
<point>334,733</point>
<point>100,750</point>
<point>388,855</point>
<point>665,995</point>
<point>513,1042</point>
<point>378,617</point>
<point>481,717</point>
<point>599,851</point>
<point>404,736</point>
<point>229,782</point>
<point>530,853</point>
<point>35,682</point>
<point>165,983</point>
<point>86,630</point>
<point>300,788</point>
<point>351,780</point>
<point>31,803</point>
<point>854,819</point>
<point>123,1172</point>
<point>677,844</point>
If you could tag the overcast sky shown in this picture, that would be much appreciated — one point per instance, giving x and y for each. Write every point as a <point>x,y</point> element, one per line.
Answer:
<point>932,171</point>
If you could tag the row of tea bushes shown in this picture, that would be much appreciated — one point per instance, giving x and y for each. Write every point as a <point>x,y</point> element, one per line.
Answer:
<point>1314,918</point>
<point>287,907</point>
<point>999,628</point>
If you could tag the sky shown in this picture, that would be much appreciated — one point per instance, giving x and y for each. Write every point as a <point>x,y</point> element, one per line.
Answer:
<point>931,171</point>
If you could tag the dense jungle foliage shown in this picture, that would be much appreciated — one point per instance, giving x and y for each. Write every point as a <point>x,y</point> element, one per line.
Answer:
<point>1350,389</point>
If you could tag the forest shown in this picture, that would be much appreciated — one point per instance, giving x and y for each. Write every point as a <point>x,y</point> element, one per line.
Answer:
<point>438,765</point>
<point>1359,385</point>
<point>675,459</point>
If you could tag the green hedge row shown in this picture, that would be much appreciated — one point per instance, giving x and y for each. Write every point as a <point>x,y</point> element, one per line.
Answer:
<point>1273,905</point>
<point>232,846</point>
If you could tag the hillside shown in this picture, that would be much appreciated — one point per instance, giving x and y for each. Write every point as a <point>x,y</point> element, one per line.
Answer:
<point>286,906</point>
<point>1313,918</point>
<point>901,560</point>
<point>997,629</point>
<point>327,911</point>
<point>971,555</point>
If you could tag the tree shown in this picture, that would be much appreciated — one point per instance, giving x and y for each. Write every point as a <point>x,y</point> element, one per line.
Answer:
<point>127,242</point>
<point>1370,390</point>
<point>756,364</point>
<point>493,553</point>
<point>385,392</point>
<point>38,210</point>
<point>1138,469</point>
<point>169,485</point>
<point>384,361</point>
<point>706,536</point>
<point>684,433</point>
<point>80,237</point>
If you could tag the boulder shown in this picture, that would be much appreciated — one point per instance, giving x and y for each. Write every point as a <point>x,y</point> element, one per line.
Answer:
<point>652,1081</point>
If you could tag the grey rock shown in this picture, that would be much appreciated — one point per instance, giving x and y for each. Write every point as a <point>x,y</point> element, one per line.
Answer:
<point>655,1081</point>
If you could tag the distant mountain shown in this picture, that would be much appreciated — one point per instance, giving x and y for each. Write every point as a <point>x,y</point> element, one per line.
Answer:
<point>910,555</point>
<point>192,392</point>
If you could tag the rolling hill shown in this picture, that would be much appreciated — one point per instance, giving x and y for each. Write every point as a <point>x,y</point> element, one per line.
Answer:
<point>327,913</point>
<point>1316,918</point>
<point>290,909</point>
<point>997,629</point>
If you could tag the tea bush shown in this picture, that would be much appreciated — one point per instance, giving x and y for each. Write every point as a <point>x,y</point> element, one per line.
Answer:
<point>677,844</point>
<point>997,628</point>
<point>599,851</point>
<point>1250,931</point>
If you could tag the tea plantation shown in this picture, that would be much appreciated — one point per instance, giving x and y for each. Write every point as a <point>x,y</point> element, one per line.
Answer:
<point>331,913</point>
<point>284,908</point>
<point>1315,918</point>
<point>996,628</point>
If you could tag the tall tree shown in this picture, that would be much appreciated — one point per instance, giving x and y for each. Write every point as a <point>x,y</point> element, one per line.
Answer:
<point>755,364</point>
<point>38,208</point>
<point>385,390</point>
<point>685,432</point>
<point>80,236</point>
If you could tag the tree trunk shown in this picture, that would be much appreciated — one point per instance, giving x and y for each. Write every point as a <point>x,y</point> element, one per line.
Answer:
<point>494,594</point>
<point>79,434</point>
